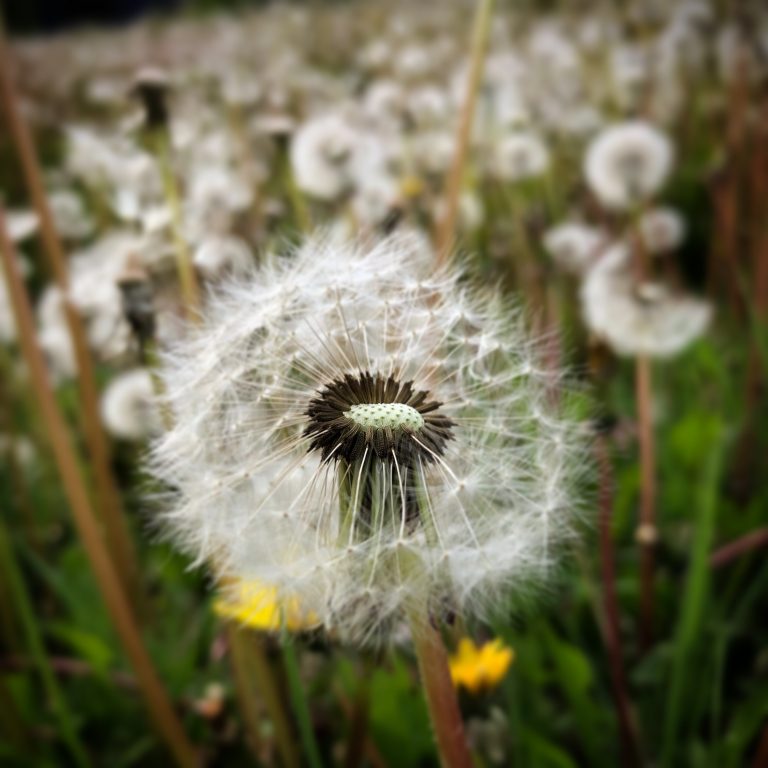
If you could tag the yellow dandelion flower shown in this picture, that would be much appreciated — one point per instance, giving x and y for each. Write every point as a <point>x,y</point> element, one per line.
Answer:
<point>257,606</point>
<point>480,668</point>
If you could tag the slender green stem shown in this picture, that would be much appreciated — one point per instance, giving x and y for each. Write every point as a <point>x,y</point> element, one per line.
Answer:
<point>694,597</point>
<point>190,291</point>
<point>300,706</point>
<point>295,196</point>
<point>26,614</point>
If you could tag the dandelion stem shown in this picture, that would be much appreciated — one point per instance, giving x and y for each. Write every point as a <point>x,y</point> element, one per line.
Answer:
<point>299,701</point>
<point>245,693</point>
<point>9,391</point>
<point>439,692</point>
<point>761,755</point>
<point>358,716</point>
<point>111,512</point>
<point>26,613</point>
<point>627,729</point>
<point>250,662</point>
<point>446,226</point>
<point>295,197</point>
<point>190,291</point>
<point>646,531</point>
<point>111,587</point>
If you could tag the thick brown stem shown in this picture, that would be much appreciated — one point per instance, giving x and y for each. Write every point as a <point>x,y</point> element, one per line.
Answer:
<point>111,587</point>
<point>646,531</point>
<point>112,516</point>
<point>440,693</point>
<point>627,730</point>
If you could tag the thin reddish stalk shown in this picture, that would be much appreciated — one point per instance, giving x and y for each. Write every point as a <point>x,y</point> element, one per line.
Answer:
<point>440,693</point>
<point>112,516</point>
<point>646,531</point>
<point>67,667</point>
<point>741,546</point>
<point>358,716</point>
<point>85,520</point>
<point>630,752</point>
<point>446,226</point>
<point>722,259</point>
<point>761,756</point>
<point>756,216</point>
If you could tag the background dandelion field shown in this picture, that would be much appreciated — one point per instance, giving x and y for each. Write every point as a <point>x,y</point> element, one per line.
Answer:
<point>614,179</point>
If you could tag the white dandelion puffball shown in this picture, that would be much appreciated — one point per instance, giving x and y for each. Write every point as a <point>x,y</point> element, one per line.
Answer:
<point>639,318</point>
<point>216,255</point>
<point>574,246</point>
<point>368,435</point>
<point>662,230</point>
<point>628,163</point>
<point>321,153</point>
<point>520,156</point>
<point>128,407</point>
<point>21,224</point>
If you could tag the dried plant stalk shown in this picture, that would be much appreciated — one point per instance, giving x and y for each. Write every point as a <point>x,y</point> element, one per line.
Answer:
<point>446,227</point>
<point>110,507</point>
<point>646,531</point>
<point>85,520</point>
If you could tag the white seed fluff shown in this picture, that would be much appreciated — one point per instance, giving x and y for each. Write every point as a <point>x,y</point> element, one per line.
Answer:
<point>639,319</point>
<point>494,502</point>
<point>627,163</point>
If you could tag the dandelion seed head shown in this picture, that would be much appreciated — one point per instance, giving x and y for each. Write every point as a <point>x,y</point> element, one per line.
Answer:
<point>662,230</point>
<point>639,318</point>
<point>574,246</point>
<point>127,405</point>
<point>627,163</point>
<point>367,434</point>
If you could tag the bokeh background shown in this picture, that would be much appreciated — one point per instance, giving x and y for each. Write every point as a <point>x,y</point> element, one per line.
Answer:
<point>613,177</point>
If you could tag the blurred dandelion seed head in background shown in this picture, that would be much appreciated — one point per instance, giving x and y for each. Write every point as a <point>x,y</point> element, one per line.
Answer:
<point>627,163</point>
<point>639,318</point>
<point>367,435</point>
